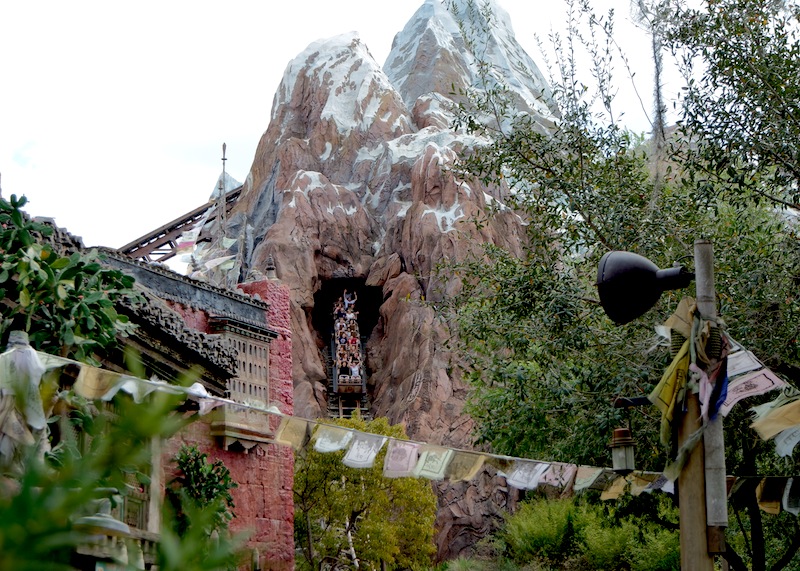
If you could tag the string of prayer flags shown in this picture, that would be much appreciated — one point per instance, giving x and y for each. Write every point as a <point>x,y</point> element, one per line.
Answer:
<point>329,438</point>
<point>433,461</point>
<point>401,458</point>
<point>363,449</point>
<point>407,458</point>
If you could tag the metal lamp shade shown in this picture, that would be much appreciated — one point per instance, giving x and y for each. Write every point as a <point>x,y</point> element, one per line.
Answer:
<point>630,284</point>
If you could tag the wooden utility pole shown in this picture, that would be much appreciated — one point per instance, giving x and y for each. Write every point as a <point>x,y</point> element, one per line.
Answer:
<point>701,484</point>
<point>691,495</point>
<point>713,439</point>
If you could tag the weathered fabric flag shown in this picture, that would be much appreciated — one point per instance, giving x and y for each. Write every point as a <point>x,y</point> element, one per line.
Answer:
<point>777,419</point>
<point>559,475</point>
<point>363,450</point>
<point>331,438</point>
<point>401,457</point>
<point>464,466</point>
<point>665,395</point>
<point>293,432</point>
<point>526,474</point>
<point>791,497</point>
<point>94,383</point>
<point>741,362</point>
<point>786,440</point>
<point>585,477</point>
<point>433,461</point>
<point>616,489</point>
<point>749,385</point>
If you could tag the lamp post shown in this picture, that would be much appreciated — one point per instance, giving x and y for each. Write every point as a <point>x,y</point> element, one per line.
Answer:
<point>629,285</point>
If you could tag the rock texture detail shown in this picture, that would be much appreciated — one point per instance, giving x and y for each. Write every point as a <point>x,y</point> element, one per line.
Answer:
<point>352,180</point>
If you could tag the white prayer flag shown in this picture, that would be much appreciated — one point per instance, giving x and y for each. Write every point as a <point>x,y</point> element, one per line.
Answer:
<point>526,474</point>
<point>401,457</point>
<point>742,362</point>
<point>331,438</point>
<point>432,463</point>
<point>786,440</point>
<point>363,450</point>
<point>791,497</point>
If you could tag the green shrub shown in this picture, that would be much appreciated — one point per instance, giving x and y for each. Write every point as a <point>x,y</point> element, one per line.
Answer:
<point>542,529</point>
<point>605,546</point>
<point>659,551</point>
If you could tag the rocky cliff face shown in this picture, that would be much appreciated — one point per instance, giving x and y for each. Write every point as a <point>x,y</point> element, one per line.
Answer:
<point>351,180</point>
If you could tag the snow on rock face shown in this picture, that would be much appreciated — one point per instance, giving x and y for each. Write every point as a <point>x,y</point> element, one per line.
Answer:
<point>435,53</point>
<point>353,179</point>
<point>337,80</point>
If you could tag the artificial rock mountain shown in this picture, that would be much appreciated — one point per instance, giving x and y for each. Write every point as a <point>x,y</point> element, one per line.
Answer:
<point>351,180</point>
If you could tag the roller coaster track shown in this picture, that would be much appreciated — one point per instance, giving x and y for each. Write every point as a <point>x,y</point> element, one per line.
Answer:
<point>161,244</point>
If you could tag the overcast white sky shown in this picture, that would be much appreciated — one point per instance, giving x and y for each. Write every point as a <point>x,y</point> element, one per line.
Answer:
<point>113,115</point>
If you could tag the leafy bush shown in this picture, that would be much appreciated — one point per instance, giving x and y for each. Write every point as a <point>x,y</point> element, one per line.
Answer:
<point>201,485</point>
<point>541,530</point>
<point>660,551</point>
<point>563,534</point>
<point>604,546</point>
<point>66,303</point>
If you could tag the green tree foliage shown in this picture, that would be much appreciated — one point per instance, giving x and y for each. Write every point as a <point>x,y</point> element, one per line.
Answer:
<point>39,514</point>
<point>740,129</point>
<point>203,485</point>
<point>544,362</point>
<point>66,303</point>
<point>344,514</point>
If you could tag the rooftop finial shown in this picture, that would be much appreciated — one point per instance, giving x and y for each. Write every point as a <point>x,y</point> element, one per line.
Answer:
<point>222,203</point>
<point>271,273</point>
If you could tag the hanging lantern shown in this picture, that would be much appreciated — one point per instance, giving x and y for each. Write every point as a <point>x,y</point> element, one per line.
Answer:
<point>622,445</point>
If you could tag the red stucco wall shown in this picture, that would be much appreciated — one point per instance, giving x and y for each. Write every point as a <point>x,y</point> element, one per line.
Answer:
<point>263,501</point>
<point>265,475</point>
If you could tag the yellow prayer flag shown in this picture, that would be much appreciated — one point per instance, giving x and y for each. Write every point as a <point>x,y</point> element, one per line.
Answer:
<point>464,466</point>
<point>293,432</point>
<point>615,490</point>
<point>778,420</point>
<point>665,395</point>
<point>93,383</point>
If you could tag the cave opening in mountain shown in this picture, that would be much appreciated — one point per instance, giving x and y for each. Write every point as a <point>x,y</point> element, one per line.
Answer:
<point>367,305</point>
